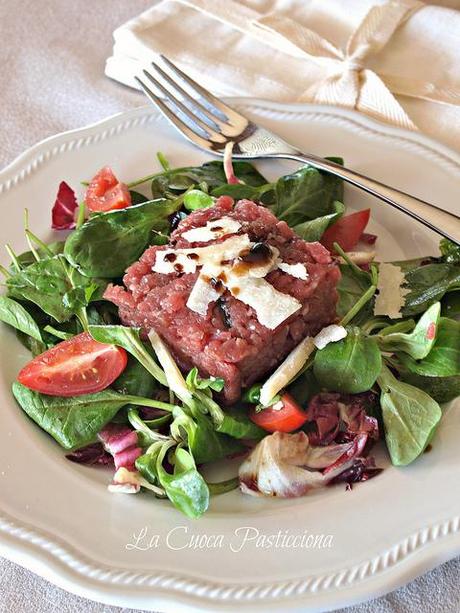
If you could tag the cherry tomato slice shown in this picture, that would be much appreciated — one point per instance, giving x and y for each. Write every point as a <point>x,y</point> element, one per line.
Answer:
<point>106,193</point>
<point>77,366</point>
<point>346,231</point>
<point>287,418</point>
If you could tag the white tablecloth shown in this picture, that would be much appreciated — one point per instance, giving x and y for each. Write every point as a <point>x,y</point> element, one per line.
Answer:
<point>52,55</point>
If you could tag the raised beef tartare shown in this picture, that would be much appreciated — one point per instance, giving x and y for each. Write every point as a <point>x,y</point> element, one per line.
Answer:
<point>227,339</point>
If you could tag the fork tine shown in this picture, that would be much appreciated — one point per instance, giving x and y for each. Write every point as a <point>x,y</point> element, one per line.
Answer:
<point>204,113</point>
<point>217,106</point>
<point>216,136</point>
<point>178,123</point>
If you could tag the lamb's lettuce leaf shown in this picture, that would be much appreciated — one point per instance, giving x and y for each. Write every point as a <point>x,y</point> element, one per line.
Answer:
<point>410,417</point>
<point>350,365</point>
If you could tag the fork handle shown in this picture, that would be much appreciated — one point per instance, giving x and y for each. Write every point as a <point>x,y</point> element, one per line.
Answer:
<point>443,222</point>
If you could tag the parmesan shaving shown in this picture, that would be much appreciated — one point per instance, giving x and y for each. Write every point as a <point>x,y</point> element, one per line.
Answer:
<point>187,260</point>
<point>295,270</point>
<point>217,228</point>
<point>259,271</point>
<point>286,371</point>
<point>225,262</point>
<point>271,306</point>
<point>391,295</point>
<point>329,334</point>
<point>202,295</point>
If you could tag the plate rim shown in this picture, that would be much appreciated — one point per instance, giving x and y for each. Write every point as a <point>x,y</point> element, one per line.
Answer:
<point>51,557</point>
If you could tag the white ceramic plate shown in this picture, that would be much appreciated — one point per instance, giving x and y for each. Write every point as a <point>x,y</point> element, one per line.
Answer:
<point>57,518</point>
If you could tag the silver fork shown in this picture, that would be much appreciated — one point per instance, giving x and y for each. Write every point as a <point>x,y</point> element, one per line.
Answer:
<point>209,123</point>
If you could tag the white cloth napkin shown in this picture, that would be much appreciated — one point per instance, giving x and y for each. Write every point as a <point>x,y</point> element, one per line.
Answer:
<point>396,60</point>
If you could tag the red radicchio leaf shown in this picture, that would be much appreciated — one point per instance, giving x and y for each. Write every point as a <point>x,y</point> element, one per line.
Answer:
<point>93,454</point>
<point>117,437</point>
<point>323,418</point>
<point>356,449</point>
<point>127,458</point>
<point>121,442</point>
<point>362,469</point>
<point>367,238</point>
<point>63,213</point>
<point>340,417</point>
<point>287,466</point>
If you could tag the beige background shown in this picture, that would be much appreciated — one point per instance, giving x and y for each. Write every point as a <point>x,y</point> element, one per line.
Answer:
<point>52,57</point>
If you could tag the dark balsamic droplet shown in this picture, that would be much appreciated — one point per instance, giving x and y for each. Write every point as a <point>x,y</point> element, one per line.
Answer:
<point>216,284</point>
<point>260,253</point>
<point>225,312</point>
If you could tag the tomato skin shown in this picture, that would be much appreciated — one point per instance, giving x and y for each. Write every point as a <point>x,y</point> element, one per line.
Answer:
<point>286,419</point>
<point>74,367</point>
<point>346,231</point>
<point>106,193</point>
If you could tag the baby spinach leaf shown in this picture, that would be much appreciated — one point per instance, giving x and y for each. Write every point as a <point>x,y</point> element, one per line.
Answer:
<point>160,188</point>
<point>185,487</point>
<point>441,389</point>
<point>204,443</point>
<point>137,197</point>
<point>314,229</point>
<point>417,343</point>
<point>410,418</point>
<point>351,365</point>
<point>231,422</point>
<point>207,445</point>
<point>428,284</point>
<point>260,193</point>
<point>450,251</point>
<point>304,387</point>
<point>135,379</point>
<point>450,305</point>
<point>403,327</point>
<point>59,289</point>
<point>74,422</point>
<point>178,180</point>
<point>129,339</point>
<point>305,195</point>
<point>237,425</point>
<point>15,315</point>
<point>439,372</point>
<point>353,284</point>
<point>108,243</point>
